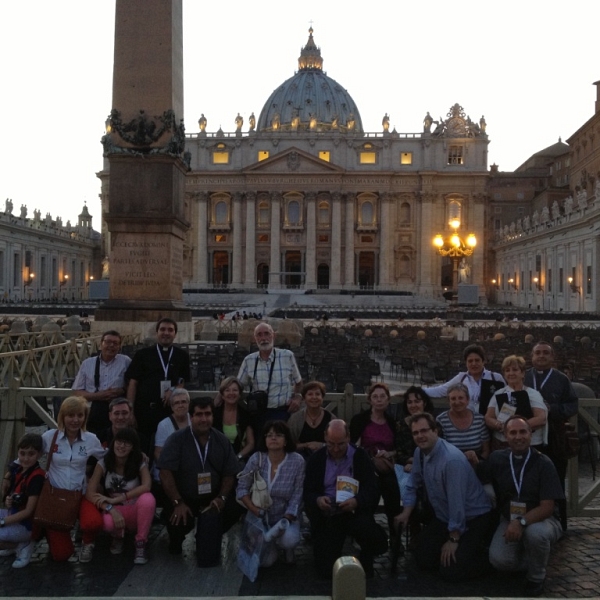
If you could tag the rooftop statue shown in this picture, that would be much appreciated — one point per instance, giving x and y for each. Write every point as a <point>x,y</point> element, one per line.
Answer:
<point>202,123</point>
<point>427,122</point>
<point>252,120</point>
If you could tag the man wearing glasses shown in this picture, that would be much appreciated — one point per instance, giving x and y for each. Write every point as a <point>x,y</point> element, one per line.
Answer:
<point>101,379</point>
<point>340,498</point>
<point>453,543</point>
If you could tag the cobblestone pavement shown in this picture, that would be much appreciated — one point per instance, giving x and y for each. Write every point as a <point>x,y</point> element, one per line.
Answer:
<point>574,571</point>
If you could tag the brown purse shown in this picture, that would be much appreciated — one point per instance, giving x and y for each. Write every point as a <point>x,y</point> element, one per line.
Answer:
<point>56,508</point>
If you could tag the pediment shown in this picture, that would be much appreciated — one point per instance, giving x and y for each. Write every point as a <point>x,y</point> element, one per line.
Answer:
<point>293,161</point>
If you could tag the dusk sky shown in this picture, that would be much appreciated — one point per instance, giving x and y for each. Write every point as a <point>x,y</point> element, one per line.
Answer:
<point>527,66</point>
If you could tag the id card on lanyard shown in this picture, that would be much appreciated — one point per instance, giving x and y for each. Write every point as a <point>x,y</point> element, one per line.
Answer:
<point>165,384</point>
<point>204,478</point>
<point>518,509</point>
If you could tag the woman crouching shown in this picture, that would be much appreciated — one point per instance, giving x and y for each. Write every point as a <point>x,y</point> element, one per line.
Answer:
<point>127,502</point>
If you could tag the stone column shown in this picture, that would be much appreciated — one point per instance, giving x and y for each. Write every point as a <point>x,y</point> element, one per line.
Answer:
<point>349,281</point>
<point>202,237</point>
<point>250,270</point>
<point>275,267</point>
<point>386,262</point>
<point>236,275</point>
<point>335,279</point>
<point>311,242</point>
<point>476,225</point>
<point>144,147</point>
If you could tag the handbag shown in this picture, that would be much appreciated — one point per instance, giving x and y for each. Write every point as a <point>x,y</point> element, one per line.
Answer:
<point>259,492</point>
<point>56,508</point>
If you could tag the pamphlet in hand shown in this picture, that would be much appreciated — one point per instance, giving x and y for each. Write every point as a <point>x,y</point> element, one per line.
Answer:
<point>346,488</point>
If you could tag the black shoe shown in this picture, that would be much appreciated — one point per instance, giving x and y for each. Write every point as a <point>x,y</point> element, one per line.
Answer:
<point>533,588</point>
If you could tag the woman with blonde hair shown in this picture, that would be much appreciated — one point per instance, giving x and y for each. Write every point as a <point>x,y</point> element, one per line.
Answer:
<point>71,447</point>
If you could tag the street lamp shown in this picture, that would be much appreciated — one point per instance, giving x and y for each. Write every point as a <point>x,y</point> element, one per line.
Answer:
<point>64,280</point>
<point>27,281</point>
<point>538,285</point>
<point>454,247</point>
<point>574,288</point>
<point>511,282</point>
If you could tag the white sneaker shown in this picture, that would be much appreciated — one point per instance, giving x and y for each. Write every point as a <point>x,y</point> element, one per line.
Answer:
<point>8,552</point>
<point>116,545</point>
<point>24,552</point>
<point>86,553</point>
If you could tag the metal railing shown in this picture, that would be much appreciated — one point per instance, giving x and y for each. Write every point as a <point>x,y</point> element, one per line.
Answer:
<point>15,399</point>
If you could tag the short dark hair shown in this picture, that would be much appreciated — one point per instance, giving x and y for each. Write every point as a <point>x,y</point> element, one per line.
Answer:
<point>421,394</point>
<point>277,427</point>
<point>31,440</point>
<point>423,415</point>
<point>474,349</point>
<point>112,332</point>
<point>202,402</point>
<point>544,343</point>
<point>118,402</point>
<point>166,320</point>
<point>313,385</point>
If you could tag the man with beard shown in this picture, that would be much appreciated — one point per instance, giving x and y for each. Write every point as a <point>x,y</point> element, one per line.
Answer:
<point>527,487</point>
<point>562,403</point>
<point>153,373</point>
<point>274,371</point>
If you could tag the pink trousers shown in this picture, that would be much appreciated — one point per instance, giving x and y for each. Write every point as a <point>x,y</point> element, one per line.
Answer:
<point>138,517</point>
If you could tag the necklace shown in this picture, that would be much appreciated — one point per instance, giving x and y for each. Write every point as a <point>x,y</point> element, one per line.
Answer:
<point>314,420</point>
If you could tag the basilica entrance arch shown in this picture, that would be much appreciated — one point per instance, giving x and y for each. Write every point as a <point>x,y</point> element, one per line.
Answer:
<point>262,275</point>
<point>293,268</point>
<point>366,269</point>
<point>220,268</point>
<point>323,276</point>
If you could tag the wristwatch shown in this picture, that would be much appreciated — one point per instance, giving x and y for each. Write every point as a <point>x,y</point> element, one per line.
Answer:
<point>108,508</point>
<point>453,539</point>
<point>224,498</point>
<point>177,502</point>
<point>523,521</point>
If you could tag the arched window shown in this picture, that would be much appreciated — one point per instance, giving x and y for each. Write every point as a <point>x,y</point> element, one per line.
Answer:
<point>263,213</point>
<point>324,213</point>
<point>366,213</point>
<point>454,213</point>
<point>405,266</point>
<point>405,213</point>
<point>293,213</point>
<point>221,213</point>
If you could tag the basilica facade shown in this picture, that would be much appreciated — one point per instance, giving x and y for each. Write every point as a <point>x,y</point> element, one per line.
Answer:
<point>302,197</point>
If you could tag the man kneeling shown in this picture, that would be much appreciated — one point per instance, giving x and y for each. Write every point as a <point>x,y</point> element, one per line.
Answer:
<point>527,487</point>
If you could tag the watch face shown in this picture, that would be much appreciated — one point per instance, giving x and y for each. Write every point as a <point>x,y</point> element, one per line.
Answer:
<point>523,522</point>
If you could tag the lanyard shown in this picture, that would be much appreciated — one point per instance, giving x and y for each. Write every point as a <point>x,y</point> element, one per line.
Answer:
<point>162,362</point>
<point>202,458</point>
<point>519,485</point>
<point>543,382</point>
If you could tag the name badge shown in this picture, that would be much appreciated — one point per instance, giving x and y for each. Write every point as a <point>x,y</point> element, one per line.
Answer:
<point>165,386</point>
<point>506,412</point>
<point>204,486</point>
<point>517,510</point>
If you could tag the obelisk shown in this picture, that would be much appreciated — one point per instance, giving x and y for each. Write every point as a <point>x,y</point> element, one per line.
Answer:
<point>144,144</point>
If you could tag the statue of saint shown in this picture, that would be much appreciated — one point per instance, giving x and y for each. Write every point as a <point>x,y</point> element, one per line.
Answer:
<point>464,271</point>
<point>202,123</point>
<point>545,217</point>
<point>568,205</point>
<point>386,122</point>
<point>239,121</point>
<point>482,124</point>
<point>252,120</point>
<point>427,123</point>
<point>23,211</point>
<point>555,210</point>
<point>8,206</point>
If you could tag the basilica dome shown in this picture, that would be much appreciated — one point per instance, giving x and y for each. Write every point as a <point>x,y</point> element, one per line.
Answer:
<point>310,100</point>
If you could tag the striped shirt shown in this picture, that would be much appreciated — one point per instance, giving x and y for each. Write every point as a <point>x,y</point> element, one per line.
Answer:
<point>465,439</point>
<point>112,374</point>
<point>285,375</point>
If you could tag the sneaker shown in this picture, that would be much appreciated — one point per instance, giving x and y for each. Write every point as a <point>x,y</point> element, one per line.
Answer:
<point>24,552</point>
<point>141,555</point>
<point>8,552</point>
<point>116,545</point>
<point>86,553</point>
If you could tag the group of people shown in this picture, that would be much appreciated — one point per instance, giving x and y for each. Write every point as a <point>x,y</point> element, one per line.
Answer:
<point>130,439</point>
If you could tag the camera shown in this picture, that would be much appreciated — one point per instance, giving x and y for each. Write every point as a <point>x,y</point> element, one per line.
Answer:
<point>18,499</point>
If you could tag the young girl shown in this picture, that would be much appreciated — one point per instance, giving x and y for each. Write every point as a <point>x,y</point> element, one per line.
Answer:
<point>21,488</point>
<point>127,501</point>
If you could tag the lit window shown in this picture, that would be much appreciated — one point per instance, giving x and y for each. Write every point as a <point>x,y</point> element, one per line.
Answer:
<point>323,239</point>
<point>263,155</point>
<point>368,158</point>
<point>406,158</point>
<point>220,157</point>
<point>263,237</point>
<point>221,239</point>
<point>455,155</point>
<point>324,155</point>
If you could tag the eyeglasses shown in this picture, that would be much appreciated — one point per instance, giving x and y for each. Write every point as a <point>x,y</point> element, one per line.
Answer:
<point>274,435</point>
<point>336,444</point>
<point>123,444</point>
<point>421,431</point>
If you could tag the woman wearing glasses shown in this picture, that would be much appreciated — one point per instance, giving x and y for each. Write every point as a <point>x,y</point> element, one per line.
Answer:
<point>283,470</point>
<point>120,489</point>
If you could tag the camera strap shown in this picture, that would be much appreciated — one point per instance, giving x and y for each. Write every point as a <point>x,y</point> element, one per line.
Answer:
<point>270,372</point>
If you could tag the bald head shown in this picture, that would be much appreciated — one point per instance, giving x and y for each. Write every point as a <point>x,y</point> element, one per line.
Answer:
<point>337,438</point>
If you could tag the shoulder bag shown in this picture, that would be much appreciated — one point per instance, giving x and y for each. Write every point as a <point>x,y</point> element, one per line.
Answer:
<point>56,508</point>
